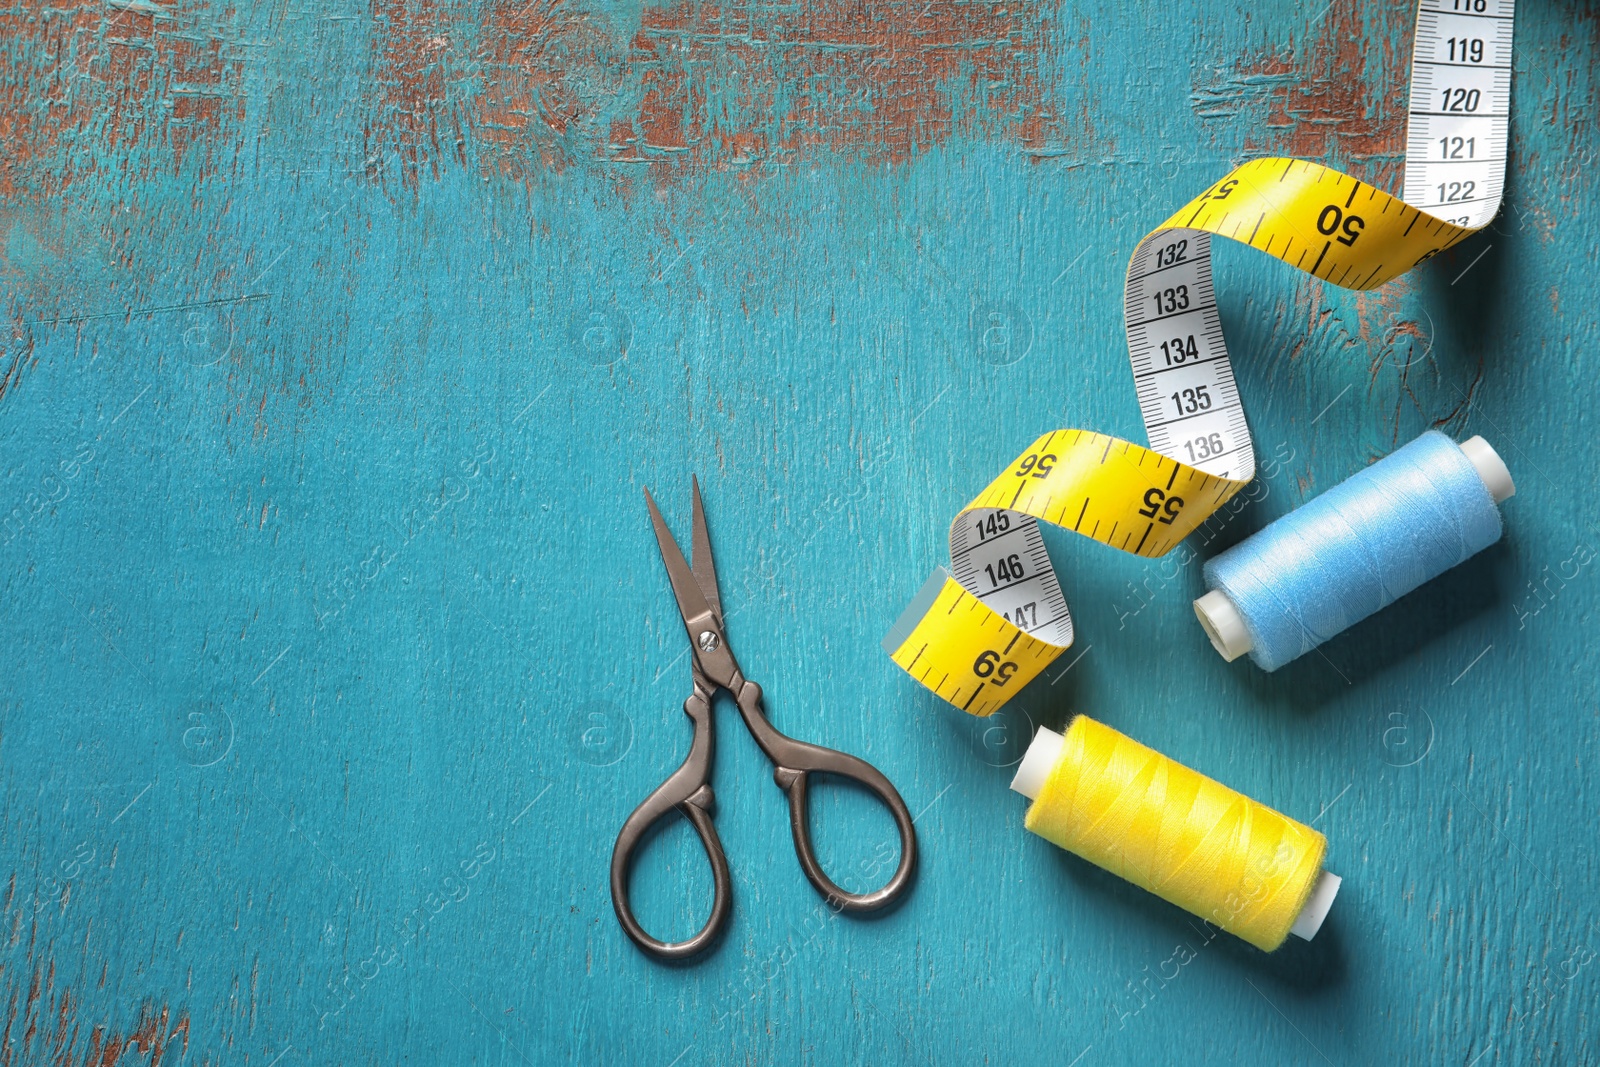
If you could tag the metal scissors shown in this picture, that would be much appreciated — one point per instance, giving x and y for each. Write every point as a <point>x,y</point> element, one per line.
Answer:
<point>688,790</point>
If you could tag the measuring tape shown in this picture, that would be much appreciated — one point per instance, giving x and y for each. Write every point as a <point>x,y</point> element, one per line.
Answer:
<point>979,631</point>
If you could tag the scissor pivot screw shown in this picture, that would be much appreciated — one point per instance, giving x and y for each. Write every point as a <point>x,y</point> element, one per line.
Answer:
<point>709,641</point>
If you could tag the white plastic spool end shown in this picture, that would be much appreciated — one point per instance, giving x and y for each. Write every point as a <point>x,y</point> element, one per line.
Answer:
<point>1490,467</point>
<point>1223,624</point>
<point>1310,918</point>
<point>1037,763</point>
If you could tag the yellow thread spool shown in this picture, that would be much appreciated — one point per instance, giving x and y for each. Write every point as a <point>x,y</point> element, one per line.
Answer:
<point>1176,833</point>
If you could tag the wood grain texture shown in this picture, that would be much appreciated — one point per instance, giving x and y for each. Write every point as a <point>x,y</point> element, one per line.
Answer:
<point>337,340</point>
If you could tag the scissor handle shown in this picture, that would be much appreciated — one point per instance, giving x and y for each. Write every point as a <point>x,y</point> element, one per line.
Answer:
<point>688,791</point>
<point>793,764</point>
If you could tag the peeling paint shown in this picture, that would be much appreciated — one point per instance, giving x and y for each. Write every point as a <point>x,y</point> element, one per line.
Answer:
<point>542,86</point>
<point>44,1027</point>
<point>881,82</point>
<point>1339,97</point>
<point>83,81</point>
<point>146,88</point>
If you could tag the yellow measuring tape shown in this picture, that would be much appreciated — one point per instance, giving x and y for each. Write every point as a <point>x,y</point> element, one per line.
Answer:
<point>978,632</point>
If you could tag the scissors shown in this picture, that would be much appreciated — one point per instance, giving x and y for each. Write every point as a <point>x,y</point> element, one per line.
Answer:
<point>688,790</point>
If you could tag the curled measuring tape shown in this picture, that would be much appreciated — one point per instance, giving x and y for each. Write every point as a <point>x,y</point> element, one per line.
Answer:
<point>979,631</point>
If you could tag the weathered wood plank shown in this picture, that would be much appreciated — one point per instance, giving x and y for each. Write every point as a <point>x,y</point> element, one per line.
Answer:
<point>339,340</point>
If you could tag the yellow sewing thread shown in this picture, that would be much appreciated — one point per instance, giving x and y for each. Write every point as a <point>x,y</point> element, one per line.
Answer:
<point>1180,835</point>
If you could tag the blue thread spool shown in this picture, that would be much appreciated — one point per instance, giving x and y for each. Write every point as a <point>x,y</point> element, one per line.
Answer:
<point>1354,550</point>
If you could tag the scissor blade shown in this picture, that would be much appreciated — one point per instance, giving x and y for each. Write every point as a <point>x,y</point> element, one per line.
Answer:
<point>705,568</point>
<point>691,600</point>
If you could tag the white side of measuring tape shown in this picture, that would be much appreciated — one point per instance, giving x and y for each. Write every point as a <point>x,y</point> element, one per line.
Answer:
<point>1460,109</point>
<point>1014,566</point>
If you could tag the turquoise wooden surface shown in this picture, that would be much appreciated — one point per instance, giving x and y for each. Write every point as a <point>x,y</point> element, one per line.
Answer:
<point>339,341</point>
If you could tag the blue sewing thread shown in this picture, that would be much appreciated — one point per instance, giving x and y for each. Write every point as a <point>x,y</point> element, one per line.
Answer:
<point>1355,549</point>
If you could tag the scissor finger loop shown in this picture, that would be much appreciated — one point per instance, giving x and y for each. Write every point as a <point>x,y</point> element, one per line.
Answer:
<point>688,792</point>
<point>795,783</point>
<point>792,764</point>
<point>697,809</point>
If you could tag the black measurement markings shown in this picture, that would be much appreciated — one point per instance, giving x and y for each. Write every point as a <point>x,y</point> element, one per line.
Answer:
<point>1458,203</point>
<point>1475,15</point>
<point>1463,114</point>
